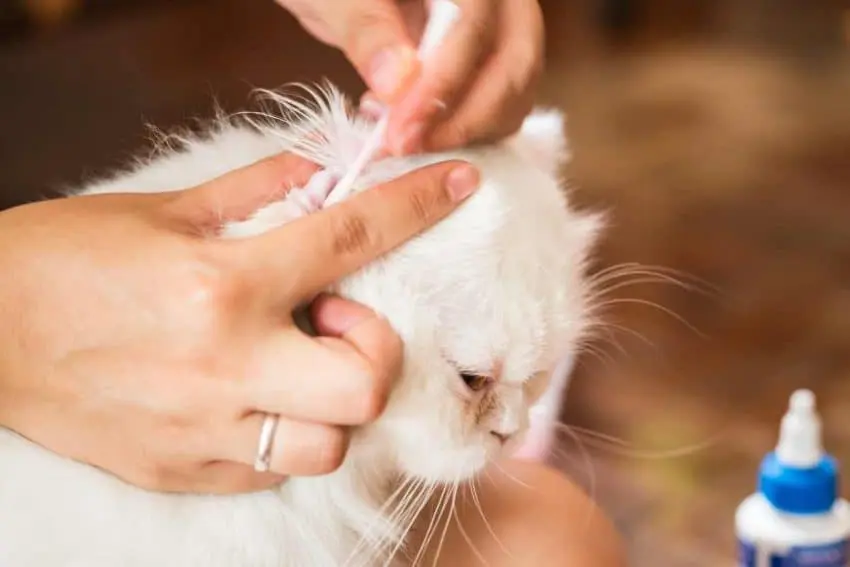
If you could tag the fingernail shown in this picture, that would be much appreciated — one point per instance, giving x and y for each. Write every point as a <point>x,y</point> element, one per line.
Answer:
<point>410,141</point>
<point>337,316</point>
<point>462,181</point>
<point>391,70</point>
<point>370,107</point>
<point>440,105</point>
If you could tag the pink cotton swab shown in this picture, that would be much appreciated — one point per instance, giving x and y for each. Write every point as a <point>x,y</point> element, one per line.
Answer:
<point>442,16</point>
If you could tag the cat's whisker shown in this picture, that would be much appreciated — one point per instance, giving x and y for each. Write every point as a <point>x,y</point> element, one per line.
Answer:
<point>609,336</point>
<point>604,333</point>
<point>451,512</point>
<point>511,477</point>
<point>444,512</point>
<point>412,516</point>
<point>417,491</point>
<point>406,516</point>
<point>427,537</point>
<point>588,461</point>
<point>597,353</point>
<point>461,529</point>
<point>670,312</point>
<point>625,449</point>
<point>576,464</point>
<point>623,329</point>
<point>625,283</point>
<point>580,430</point>
<point>365,538</point>
<point>562,455</point>
<point>426,540</point>
<point>487,525</point>
<point>607,285</point>
<point>671,275</point>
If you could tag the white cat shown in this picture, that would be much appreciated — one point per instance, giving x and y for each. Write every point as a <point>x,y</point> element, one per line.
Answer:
<point>496,289</point>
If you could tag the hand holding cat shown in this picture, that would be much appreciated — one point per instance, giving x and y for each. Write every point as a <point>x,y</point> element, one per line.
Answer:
<point>478,87</point>
<point>135,341</point>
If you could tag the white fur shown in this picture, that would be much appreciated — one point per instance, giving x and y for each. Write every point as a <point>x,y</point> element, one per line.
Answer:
<point>497,283</point>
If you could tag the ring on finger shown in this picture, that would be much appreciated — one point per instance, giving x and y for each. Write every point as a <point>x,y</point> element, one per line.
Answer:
<point>264,448</point>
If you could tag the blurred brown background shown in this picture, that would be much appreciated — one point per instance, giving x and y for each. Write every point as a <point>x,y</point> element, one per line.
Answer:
<point>716,132</point>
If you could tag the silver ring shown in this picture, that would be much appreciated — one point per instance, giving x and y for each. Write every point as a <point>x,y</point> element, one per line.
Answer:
<point>264,448</point>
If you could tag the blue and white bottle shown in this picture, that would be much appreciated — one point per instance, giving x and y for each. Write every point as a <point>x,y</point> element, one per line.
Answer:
<point>796,519</point>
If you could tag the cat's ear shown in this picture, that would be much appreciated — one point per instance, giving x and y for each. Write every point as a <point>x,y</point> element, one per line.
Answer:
<point>542,140</point>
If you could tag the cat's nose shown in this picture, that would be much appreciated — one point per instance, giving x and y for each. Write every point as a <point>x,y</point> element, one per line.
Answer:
<point>501,437</point>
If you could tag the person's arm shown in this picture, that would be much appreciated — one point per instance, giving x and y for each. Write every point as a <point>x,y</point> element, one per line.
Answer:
<point>521,513</point>
<point>123,319</point>
<point>479,86</point>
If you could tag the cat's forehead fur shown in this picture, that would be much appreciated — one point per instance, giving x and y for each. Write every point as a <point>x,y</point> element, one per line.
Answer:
<point>517,239</point>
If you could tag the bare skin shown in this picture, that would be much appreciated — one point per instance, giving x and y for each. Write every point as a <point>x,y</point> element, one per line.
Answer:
<point>145,381</point>
<point>477,87</point>
<point>124,319</point>
<point>535,517</point>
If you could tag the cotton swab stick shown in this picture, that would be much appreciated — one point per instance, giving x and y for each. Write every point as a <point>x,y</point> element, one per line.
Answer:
<point>442,16</point>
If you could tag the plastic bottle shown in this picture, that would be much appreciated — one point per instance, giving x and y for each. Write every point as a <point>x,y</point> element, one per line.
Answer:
<point>796,519</point>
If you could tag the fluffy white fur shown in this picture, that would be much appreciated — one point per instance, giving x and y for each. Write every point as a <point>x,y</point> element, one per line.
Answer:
<point>497,284</point>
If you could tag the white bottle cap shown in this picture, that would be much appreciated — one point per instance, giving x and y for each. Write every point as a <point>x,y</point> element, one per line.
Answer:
<point>800,443</point>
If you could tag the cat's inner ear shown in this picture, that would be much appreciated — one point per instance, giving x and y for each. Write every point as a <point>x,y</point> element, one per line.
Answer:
<point>542,140</point>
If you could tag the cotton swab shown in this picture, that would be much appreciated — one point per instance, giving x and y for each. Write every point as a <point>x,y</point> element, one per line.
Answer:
<point>442,16</point>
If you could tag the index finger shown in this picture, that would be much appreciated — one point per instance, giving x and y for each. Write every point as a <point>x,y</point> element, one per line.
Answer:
<point>237,194</point>
<point>315,251</point>
<point>444,76</point>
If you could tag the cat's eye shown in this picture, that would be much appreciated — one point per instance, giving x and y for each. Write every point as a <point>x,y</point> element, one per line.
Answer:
<point>475,382</point>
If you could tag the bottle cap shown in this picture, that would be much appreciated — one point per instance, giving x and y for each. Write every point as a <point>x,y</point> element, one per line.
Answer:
<point>798,477</point>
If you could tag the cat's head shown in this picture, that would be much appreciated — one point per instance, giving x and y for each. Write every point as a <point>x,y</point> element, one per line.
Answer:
<point>486,302</point>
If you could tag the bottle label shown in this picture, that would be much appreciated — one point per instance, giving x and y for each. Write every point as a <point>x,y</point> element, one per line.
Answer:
<point>746,554</point>
<point>836,554</point>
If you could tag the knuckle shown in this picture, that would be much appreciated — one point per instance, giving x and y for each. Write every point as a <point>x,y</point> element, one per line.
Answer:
<point>458,133</point>
<point>237,479</point>
<point>363,25</point>
<point>180,409</point>
<point>393,342</point>
<point>425,202</point>
<point>526,64</point>
<point>180,420</point>
<point>352,234</point>
<point>153,477</point>
<point>331,453</point>
<point>367,17</point>
<point>212,290</point>
<point>393,347</point>
<point>372,397</point>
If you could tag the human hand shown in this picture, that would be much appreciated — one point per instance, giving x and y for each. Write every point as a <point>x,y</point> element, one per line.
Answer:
<point>136,341</point>
<point>478,86</point>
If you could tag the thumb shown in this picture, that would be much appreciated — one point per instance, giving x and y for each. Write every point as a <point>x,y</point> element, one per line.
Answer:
<point>237,194</point>
<point>377,43</point>
<point>372,34</point>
